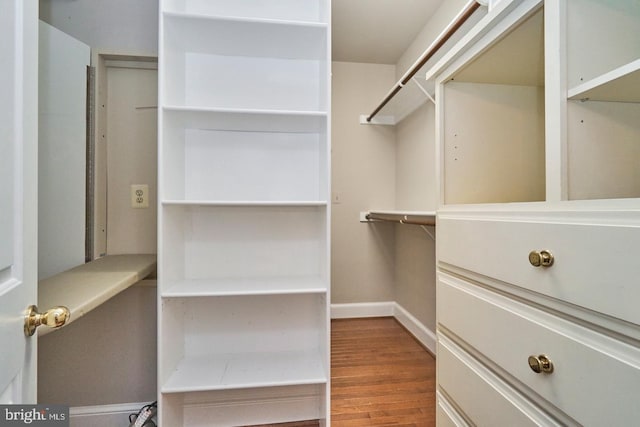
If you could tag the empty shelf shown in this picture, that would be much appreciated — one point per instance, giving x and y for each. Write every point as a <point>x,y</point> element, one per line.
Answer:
<point>246,370</point>
<point>86,286</point>
<point>246,286</point>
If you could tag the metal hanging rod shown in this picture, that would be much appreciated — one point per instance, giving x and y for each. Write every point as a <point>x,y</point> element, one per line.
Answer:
<point>435,46</point>
<point>401,219</point>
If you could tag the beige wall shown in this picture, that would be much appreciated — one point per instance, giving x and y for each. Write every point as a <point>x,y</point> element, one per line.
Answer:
<point>107,357</point>
<point>132,94</point>
<point>415,277</point>
<point>416,184</point>
<point>445,13</point>
<point>363,177</point>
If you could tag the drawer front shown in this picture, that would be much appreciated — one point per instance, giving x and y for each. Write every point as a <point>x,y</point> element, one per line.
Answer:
<point>595,266</point>
<point>446,415</point>
<point>596,379</point>
<point>484,398</point>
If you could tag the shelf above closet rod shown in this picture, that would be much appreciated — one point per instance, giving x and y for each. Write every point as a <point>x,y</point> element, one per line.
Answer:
<point>446,34</point>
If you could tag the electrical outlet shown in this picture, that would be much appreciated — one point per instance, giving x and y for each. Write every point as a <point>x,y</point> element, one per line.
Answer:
<point>139,196</point>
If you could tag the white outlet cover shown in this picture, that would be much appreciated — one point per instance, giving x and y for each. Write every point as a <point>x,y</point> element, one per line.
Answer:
<point>139,196</point>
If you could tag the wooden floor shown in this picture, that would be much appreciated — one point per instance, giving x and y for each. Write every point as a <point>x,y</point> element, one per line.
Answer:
<point>380,376</point>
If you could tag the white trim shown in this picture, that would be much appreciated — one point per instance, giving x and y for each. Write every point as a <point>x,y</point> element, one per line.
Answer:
<point>270,410</point>
<point>364,309</point>
<point>120,408</point>
<point>424,335</point>
<point>103,415</point>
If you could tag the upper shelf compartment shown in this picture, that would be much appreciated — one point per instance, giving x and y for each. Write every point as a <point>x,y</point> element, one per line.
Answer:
<point>619,85</point>
<point>295,10</point>
<point>279,64</point>
<point>493,141</point>
<point>603,47</point>
<point>516,59</point>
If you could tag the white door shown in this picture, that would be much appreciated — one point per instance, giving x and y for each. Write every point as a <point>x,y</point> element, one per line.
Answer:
<point>18,196</point>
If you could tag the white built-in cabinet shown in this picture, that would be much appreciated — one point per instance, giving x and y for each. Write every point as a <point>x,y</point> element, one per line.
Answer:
<point>538,115</point>
<point>243,260</point>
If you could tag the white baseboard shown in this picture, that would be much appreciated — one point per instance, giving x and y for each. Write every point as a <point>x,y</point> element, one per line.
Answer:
<point>384,309</point>
<point>365,309</point>
<point>424,335</point>
<point>103,415</point>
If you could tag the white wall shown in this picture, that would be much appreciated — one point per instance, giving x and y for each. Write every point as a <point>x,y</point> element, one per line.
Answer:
<point>363,177</point>
<point>125,26</point>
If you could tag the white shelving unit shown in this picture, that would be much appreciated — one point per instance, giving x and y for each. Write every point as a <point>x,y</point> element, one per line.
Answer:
<point>243,261</point>
<point>539,167</point>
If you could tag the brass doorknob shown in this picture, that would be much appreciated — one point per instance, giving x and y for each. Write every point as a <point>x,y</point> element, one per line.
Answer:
<point>540,363</point>
<point>54,318</point>
<point>542,258</point>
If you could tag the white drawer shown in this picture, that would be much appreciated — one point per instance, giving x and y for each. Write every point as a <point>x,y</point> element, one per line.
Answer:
<point>595,266</point>
<point>464,379</point>
<point>446,415</point>
<point>596,379</point>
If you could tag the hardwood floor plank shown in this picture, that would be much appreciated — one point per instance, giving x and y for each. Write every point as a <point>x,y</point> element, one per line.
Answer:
<point>380,376</point>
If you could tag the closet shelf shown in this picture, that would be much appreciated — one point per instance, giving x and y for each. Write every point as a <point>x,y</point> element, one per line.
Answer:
<point>245,203</point>
<point>285,10</point>
<point>86,286</point>
<point>252,37</point>
<point>246,370</point>
<point>400,217</point>
<point>619,85</point>
<point>245,286</point>
<point>212,19</point>
<point>234,119</point>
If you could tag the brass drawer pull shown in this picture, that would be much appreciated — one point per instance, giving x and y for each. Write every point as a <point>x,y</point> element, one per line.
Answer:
<point>540,364</point>
<point>542,258</point>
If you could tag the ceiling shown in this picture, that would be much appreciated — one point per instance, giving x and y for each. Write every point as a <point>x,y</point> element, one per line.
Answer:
<point>377,31</point>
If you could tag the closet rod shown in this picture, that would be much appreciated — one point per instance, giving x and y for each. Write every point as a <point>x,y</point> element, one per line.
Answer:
<point>383,217</point>
<point>435,46</point>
